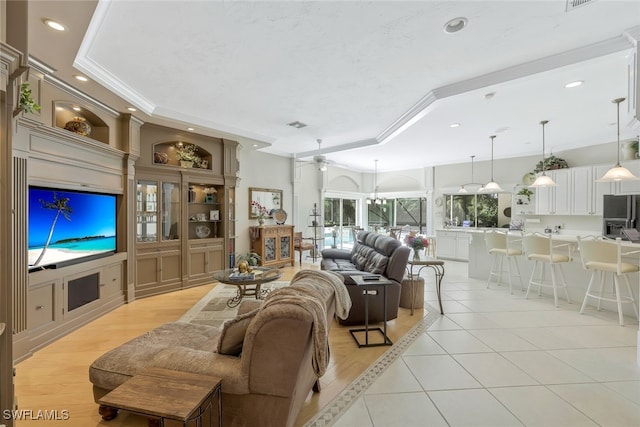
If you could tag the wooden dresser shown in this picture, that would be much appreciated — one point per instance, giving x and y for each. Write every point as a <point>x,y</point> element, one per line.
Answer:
<point>274,244</point>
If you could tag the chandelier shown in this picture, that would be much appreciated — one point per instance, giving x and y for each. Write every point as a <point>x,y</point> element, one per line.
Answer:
<point>376,200</point>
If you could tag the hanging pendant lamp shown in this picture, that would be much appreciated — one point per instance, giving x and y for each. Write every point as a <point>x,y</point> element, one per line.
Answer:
<point>618,172</point>
<point>543,180</point>
<point>492,186</point>
<point>463,189</point>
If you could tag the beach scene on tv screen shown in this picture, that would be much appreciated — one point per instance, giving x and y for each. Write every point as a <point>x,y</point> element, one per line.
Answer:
<point>68,225</point>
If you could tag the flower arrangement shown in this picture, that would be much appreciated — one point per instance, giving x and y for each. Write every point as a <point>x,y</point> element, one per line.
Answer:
<point>258,210</point>
<point>550,163</point>
<point>416,242</point>
<point>188,153</point>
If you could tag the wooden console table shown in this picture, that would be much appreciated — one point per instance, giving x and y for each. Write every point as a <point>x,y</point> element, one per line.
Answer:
<point>164,394</point>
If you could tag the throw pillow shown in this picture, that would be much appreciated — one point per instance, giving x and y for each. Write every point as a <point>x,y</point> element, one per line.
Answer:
<point>233,331</point>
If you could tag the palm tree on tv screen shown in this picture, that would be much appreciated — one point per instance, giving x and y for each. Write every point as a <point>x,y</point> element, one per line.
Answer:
<point>61,206</point>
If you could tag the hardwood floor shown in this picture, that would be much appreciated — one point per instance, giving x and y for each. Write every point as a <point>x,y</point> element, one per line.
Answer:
<point>56,377</point>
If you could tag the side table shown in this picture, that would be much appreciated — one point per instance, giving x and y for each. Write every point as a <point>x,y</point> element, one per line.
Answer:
<point>164,394</point>
<point>366,284</point>
<point>438,268</point>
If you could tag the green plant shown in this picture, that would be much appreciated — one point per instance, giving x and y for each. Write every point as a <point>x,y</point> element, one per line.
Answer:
<point>550,163</point>
<point>188,153</point>
<point>252,258</point>
<point>525,192</point>
<point>26,102</point>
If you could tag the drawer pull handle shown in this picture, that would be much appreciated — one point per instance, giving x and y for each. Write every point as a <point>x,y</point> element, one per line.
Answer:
<point>39,307</point>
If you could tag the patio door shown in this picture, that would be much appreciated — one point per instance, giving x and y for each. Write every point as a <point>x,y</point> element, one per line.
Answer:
<point>340,217</point>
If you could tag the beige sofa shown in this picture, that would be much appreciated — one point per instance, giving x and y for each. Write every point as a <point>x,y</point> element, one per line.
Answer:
<point>269,357</point>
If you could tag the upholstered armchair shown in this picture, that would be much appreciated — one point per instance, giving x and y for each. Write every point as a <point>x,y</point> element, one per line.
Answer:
<point>301,244</point>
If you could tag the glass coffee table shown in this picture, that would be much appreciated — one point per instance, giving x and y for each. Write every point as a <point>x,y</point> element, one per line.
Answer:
<point>247,286</point>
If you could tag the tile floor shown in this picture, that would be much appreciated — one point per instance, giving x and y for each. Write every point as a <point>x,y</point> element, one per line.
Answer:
<point>496,359</point>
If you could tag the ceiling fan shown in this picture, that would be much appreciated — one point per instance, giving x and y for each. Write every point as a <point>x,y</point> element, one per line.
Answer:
<point>319,161</point>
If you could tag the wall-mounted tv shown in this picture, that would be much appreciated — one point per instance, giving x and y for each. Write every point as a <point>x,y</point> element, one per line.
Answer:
<point>68,226</point>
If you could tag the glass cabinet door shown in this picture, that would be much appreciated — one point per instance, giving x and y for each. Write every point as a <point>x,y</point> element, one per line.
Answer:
<point>285,247</point>
<point>170,211</point>
<point>158,211</point>
<point>147,215</point>
<point>270,249</point>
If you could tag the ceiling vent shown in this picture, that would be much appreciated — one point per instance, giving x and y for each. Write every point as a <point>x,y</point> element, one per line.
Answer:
<point>572,4</point>
<point>297,125</point>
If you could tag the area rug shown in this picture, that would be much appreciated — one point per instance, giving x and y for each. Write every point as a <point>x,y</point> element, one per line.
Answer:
<point>328,415</point>
<point>212,309</point>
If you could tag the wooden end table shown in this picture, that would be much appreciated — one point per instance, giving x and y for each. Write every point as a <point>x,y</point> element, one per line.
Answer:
<point>163,394</point>
<point>361,282</point>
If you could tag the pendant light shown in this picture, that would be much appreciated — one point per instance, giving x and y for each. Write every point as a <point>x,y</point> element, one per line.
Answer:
<point>492,186</point>
<point>463,189</point>
<point>543,180</point>
<point>618,172</point>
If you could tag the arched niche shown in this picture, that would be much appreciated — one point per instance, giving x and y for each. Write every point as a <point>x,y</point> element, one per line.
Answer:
<point>164,153</point>
<point>66,111</point>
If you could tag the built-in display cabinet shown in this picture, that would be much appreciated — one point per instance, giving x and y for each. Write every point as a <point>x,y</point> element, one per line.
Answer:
<point>185,214</point>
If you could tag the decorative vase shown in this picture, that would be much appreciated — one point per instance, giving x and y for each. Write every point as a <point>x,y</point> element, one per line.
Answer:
<point>78,125</point>
<point>416,254</point>
<point>186,164</point>
<point>261,221</point>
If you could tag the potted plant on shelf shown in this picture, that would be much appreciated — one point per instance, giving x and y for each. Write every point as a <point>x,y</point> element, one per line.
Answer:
<point>550,163</point>
<point>524,192</point>
<point>188,156</point>
<point>26,102</point>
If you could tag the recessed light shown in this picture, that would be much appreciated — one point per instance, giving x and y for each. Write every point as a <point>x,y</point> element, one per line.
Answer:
<point>77,109</point>
<point>454,125</point>
<point>131,109</point>
<point>190,129</point>
<point>455,25</point>
<point>54,25</point>
<point>81,78</point>
<point>574,84</point>
<point>255,145</point>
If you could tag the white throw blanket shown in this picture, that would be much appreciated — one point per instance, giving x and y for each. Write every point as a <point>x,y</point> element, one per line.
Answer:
<point>342,298</point>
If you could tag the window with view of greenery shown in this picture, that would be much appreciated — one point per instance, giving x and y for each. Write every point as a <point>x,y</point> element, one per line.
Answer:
<point>382,215</point>
<point>481,210</point>
<point>412,212</point>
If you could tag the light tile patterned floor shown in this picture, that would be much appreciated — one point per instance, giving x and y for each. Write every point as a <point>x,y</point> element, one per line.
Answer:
<point>497,359</point>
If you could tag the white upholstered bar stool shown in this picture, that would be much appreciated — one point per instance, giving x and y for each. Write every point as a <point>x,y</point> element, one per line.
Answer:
<point>543,251</point>
<point>501,247</point>
<point>605,256</point>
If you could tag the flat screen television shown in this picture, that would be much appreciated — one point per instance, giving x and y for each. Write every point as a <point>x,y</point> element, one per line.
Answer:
<point>68,226</point>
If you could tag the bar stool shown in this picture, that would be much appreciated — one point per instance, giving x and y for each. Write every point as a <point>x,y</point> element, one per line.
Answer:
<point>542,250</point>
<point>605,256</point>
<point>500,246</point>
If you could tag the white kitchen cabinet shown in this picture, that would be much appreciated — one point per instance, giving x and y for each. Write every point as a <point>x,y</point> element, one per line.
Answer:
<point>452,244</point>
<point>587,193</point>
<point>628,187</point>
<point>555,200</point>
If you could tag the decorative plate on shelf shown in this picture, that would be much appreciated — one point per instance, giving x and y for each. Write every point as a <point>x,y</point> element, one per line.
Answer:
<point>202,231</point>
<point>529,178</point>
<point>280,216</point>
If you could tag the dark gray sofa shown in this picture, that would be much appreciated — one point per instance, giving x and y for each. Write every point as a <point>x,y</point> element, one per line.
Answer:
<point>371,253</point>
